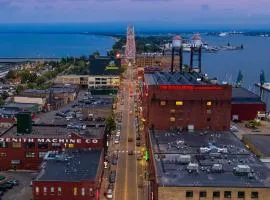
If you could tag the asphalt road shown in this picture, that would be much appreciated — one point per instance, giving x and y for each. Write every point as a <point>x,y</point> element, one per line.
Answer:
<point>126,180</point>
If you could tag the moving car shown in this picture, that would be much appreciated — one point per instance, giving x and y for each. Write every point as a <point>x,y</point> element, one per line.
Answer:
<point>109,194</point>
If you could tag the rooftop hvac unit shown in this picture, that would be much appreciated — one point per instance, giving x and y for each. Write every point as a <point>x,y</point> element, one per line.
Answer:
<point>204,149</point>
<point>242,169</point>
<point>184,159</point>
<point>193,167</point>
<point>190,128</point>
<point>217,168</point>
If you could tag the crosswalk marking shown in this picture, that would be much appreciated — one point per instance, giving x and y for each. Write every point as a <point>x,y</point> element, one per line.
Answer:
<point>125,151</point>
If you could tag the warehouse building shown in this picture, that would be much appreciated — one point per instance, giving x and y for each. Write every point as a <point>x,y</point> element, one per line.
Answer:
<point>204,165</point>
<point>185,101</point>
<point>70,175</point>
<point>246,105</point>
<point>24,146</point>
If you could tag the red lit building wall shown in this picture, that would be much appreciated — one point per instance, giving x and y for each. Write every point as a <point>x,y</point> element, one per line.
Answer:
<point>194,110</point>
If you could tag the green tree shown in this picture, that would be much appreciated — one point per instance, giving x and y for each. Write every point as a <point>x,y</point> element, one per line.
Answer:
<point>5,95</point>
<point>110,124</point>
<point>11,74</point>
<point>40,80</point>
<point>2,102</point>
<point>19,89</point>
<point>96,53</point>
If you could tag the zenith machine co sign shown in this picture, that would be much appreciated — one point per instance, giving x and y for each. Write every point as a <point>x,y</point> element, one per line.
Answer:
<point>49,140</point>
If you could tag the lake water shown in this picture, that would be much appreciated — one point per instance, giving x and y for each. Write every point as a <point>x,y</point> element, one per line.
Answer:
<point>224,64</point>
<point>52,45</point>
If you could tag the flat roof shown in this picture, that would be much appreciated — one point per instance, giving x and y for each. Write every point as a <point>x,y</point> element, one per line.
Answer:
<point>77,165</point>
<point>244,95</point>
<point>225,149</point>
<point>176,78</point>
<point>260,142</point>
<point>55,131</point>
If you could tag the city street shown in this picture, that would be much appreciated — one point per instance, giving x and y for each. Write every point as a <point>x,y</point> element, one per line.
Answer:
<point>128,168</point>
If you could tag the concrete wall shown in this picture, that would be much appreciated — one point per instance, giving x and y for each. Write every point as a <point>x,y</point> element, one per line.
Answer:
<point>36,100</point>
<point>173,193</point>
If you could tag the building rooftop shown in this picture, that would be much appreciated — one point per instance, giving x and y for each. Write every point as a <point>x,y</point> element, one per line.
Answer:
<point>19,105</point>
<point>78,165</point>
<point>244,95</point>
<point>176,78</point>
<point>206,160</point>
<point>56,131</point>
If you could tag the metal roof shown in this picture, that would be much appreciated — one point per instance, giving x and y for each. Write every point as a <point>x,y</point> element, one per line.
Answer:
<point>78,165</point>
<point>217,148</point>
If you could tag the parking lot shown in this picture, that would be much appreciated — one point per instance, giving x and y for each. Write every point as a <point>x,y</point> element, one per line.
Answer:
<point>23,191</point>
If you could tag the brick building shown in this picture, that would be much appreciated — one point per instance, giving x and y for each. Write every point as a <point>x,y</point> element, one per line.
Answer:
<point>246,105</point>
<point>204,166</point>
<point>26,151</point>
<point>70,175</point>
<point>185,101</point>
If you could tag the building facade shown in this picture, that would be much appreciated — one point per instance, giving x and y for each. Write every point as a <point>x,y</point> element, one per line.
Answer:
<point>180,101</point>
<point>26,152</point>
<point>80,179</point>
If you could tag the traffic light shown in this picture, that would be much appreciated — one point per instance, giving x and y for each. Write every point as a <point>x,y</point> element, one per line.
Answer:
<point>146,155</point>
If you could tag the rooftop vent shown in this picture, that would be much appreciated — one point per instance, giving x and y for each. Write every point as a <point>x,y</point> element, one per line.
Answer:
<point>242,169</point>
<point>193,167</point>
<point>217,168</point>
<point>184,159</point>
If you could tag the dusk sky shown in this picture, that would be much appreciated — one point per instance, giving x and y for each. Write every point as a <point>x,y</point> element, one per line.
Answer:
<point>189,12</point>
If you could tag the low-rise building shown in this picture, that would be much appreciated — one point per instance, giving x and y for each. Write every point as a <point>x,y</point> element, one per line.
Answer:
<point>246,105</point>
<point>92,81</point>
<point>204,165</point>
<point>74,174</point>
<point>26,151</point>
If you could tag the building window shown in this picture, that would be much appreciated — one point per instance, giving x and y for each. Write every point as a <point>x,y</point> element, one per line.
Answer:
<point>29,145</point>
<point>70,145</point>
<point>172,111</point>
<point>241,195</point>
<point>202,193</point>
<point>59,191</point>
<point>91,193</point>
<point>163,103</point>
<point>37,190</point>
<point>30,155</point>
<point>254,195</point>
<point>75,191</point>
<point>45,190</point>
<point>43,145</point>
<point>2,155</point>
<point>228,194</point>
<point>41,154</point>
<point>216,194</point>
<point>209,103</point>
<point>83,191</point>
<point>16,145</point>
<point>179,103</point>
<point>52,189</point>
<point>189,194</point>
<point>3,145</point>
<point>172,119</point>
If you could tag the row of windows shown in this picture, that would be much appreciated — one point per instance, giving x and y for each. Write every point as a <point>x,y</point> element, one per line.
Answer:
<point>32,145</point>
<point>27,154</point>
<point>75,191</point>
<point>181,103</point>
<point>226,194</point>
<point>173,119</point>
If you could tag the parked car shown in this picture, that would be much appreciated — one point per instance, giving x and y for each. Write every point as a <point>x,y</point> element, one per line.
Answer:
<point>138,143</point>
<point>8,185</point>
<point>130,152</point>
<point>109,194</point>
<point>130,139</point>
